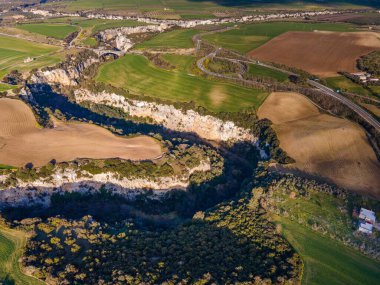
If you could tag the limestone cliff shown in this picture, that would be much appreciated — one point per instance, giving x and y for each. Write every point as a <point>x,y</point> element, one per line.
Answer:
<point>205,126</point>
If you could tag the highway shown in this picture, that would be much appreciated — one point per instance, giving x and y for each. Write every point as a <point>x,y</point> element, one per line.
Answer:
<point>325,90</point>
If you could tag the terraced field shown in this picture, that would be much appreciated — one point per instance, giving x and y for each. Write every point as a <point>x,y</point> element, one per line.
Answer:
<point>11,247</point>
<point>14,51</point>
<point>58,31</point>
<point>136,74</point>
<point>250,36</point>
<point>327,261</point>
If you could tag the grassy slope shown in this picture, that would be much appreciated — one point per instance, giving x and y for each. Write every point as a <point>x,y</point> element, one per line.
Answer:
<point>250,36</point>
<point>345,84</point>
<point>5,87</point>
<point>174,39</point>
<point>58,31</point>
<point>327,261</point>
<point>261,71</point>
<point>137,74</point>
<point>13,51</point>
<point>11,246</point>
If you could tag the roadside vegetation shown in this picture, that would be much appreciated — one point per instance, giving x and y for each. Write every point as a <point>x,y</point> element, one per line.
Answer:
<point>342,83</point>
<point>262,71</point>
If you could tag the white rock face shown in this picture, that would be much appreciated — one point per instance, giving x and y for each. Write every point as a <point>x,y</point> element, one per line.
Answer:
<point>62,76</point>
<point>120,35</point>
<point>207,127</point>
<point>68,180</point>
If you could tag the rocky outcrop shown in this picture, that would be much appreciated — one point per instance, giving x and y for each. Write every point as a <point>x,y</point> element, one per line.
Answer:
<point>120,35</point>
<point>71,180</point>
<point>65,76</point>
<point>207,127</point>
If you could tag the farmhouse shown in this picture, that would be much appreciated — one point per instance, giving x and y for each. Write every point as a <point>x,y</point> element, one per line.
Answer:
<point>367,220</point>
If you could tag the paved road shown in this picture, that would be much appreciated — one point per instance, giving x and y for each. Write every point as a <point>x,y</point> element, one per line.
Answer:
<point>325,90</point>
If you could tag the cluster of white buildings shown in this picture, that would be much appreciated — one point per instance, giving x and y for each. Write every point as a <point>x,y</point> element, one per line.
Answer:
<point>365,77</point>
<point>367,220</point>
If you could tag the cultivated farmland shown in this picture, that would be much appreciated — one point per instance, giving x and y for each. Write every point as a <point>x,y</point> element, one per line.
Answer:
<point>21,141</point>
<point>322,145</point>
<point>320,53</point>
<point>58,31</point>
<point>136,74</point>
<point>14,51</point>
<point>251,36</point>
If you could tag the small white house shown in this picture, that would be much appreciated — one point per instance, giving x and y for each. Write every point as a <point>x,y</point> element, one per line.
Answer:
<point>367,216</point>
<point>365,228</point>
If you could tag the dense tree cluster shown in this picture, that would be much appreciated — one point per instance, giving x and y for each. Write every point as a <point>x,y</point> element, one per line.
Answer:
<point>229,244</point>
<point>370,63</point>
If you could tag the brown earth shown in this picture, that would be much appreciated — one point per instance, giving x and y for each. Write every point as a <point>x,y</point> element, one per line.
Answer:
<point>334,149</point>
<point>320,53</point>
<point>22,141</point>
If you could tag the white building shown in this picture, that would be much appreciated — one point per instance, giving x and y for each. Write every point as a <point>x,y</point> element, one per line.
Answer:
<point>365,228</point>
<point>367,216</point>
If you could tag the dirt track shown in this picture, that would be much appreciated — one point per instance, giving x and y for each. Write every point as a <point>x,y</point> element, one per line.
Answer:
<point>322,145</point>
<point>320,53</point>
<point>21,141</point>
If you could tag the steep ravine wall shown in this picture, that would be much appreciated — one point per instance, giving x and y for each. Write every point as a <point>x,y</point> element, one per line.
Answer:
<point>70,180</point>
<point>205,126</point>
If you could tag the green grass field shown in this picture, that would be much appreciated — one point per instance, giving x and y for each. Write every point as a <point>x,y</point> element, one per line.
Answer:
<point>344,84</point>
<point>261,71</point>
<point>5,87</point>
<point>327,261</point>
<point>14,51</point>
<point>12,244</point>
<point>181,38</point>
<point>58,31</point>
<point>136,74</point>
<point>250,36</point>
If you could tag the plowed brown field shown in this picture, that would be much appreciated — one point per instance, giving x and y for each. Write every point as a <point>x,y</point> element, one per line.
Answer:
<point>322,145</point>
<point>320,53</point>
<point>21,141</point>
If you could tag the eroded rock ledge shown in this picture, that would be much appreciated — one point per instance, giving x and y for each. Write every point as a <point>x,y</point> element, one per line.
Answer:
<point>207,127</point>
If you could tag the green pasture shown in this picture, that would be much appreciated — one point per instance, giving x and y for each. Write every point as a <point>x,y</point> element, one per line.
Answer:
<point>182,63</point>
<point>250,36</point>
<point>5,87</point>
<point>58,31</point>
<point>12,244</point>
<point>136,74</point>
<point>14,51</point>
<point>327,261</point>
<point>262,71</point>
<point>181,38</point>
<point>344,84</point>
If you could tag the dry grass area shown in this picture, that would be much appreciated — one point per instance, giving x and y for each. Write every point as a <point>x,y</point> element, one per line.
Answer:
<point>21,141</point>
<point>320,53</point>
<point>322,145</point>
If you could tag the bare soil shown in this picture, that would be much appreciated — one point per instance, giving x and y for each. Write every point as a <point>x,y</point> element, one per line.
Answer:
<point>320,53</point>
<point>22,141</point>
<point>334,149</point>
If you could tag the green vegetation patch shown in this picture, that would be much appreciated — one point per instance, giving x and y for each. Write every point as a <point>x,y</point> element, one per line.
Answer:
<point>181,38</point>
<point>250,36</point>
<point>6,87</point>
<point>262,71</point>
<point>58,31</point>
<point>344,84</point>
<point>14,51</point>
<point>327,261</point>
<point>12,245</point>
<point>136,74</point>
